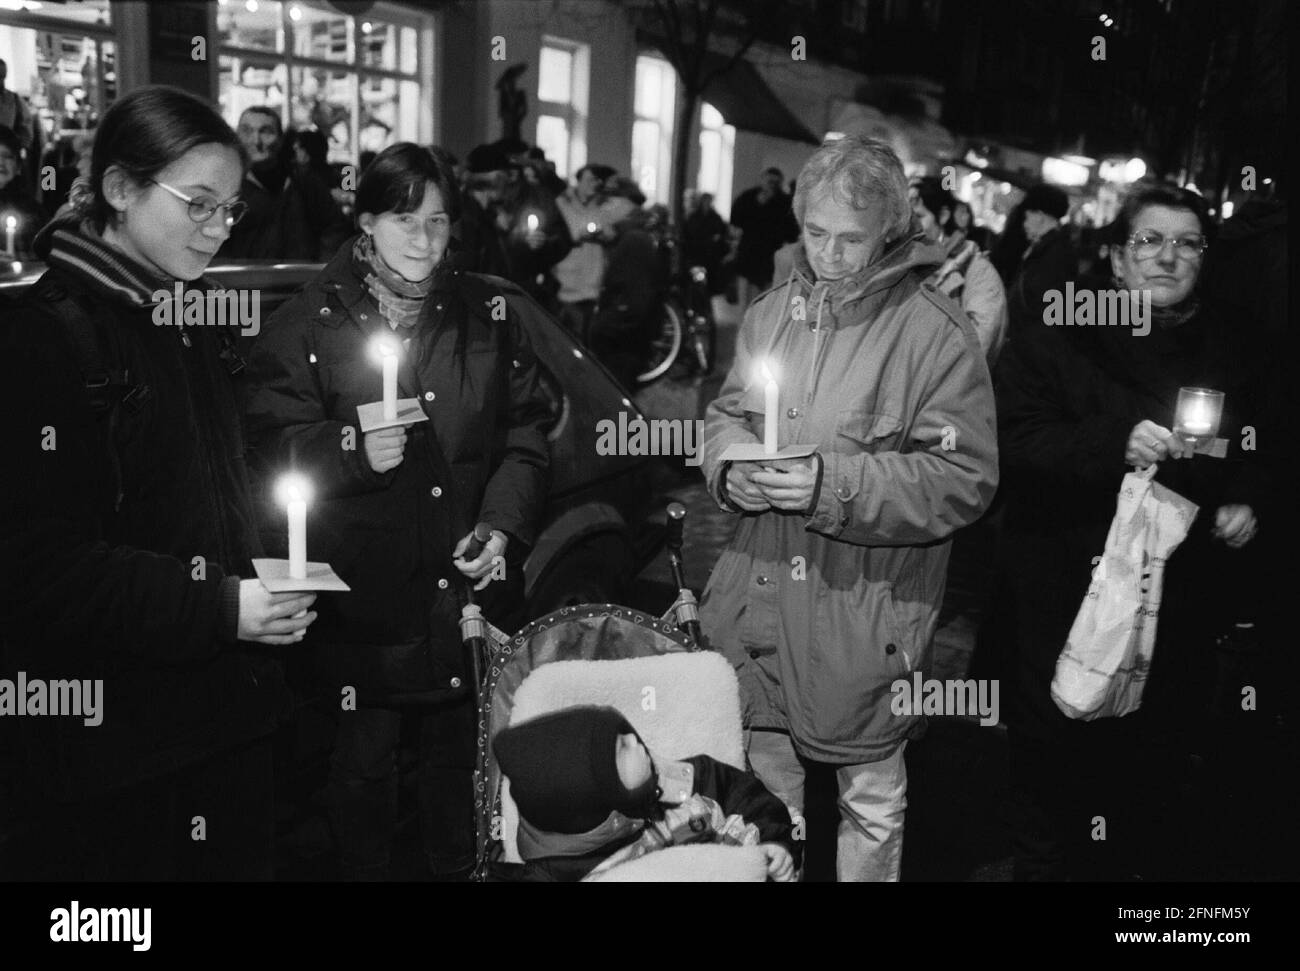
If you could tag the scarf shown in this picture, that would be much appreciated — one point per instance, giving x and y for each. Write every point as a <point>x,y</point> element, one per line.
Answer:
<point>400,301</point>
<point>79,250</point>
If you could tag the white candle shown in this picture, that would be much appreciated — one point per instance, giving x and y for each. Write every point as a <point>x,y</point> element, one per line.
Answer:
<point>389,356</point>
<point>297,534</point>
<point>11,224</point>
<point>1197,420</point>
<point>533,222</point>
<point>771,411</point>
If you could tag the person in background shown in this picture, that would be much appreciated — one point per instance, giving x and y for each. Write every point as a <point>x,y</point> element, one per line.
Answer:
<point>963,223</point>
<point>763,216</point>
<point>704,238</point>
<point>16,202</point>
<point>591,224</point>
<point>966,274</point>
<point>1049,262</point>
<point>16,115</point>
<point>126,546</point>
<point>533,234</point>
<point>291,214</point>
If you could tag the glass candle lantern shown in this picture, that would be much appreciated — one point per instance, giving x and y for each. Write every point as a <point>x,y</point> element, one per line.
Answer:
<point>1198,415</point>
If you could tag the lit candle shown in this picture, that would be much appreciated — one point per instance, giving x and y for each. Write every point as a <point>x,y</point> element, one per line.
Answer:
<point>771,410</point>
<point>293,492</point>
<point>533,222</point>
<point>11,224</point>
<point>591,228</point>
<point>1198,413</point>
<point>386,350</point>
<point>389,355</point>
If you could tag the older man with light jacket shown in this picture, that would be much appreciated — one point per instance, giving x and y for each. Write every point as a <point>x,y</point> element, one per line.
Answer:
<point>830,589</point>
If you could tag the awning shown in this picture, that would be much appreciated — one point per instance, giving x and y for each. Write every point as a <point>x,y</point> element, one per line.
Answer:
<point>746,101</point>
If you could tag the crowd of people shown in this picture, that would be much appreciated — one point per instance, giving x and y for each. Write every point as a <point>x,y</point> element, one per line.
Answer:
<point>915,361</point>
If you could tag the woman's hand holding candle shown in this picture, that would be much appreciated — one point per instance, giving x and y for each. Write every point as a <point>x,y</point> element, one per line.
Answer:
<point>385,448</point>
<point>272,618</point>
<point>1149,443</point>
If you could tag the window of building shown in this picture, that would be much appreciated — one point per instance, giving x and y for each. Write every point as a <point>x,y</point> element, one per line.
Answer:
<point>652,131</point>
<point>717,157</point>
<point>564,69</point>
<point>355,78</point>
<point>62,61</point>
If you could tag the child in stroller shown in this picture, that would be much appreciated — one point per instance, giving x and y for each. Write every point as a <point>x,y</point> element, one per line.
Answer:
<point>591,795</point>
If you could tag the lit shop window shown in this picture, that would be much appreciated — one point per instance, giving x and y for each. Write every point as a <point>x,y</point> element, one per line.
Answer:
<point>717,156</point>
<point>652,131</point>
<point>562,79</point>
<point>62,61</point>
<point>355,78</point>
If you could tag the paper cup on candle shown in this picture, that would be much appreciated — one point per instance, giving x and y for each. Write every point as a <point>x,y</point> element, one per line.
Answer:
<point>1197,417</point>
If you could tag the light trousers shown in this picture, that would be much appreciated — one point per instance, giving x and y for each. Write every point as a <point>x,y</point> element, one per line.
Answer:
<point>872,803</point>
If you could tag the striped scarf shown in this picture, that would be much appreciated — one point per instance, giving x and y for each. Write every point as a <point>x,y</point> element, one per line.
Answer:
<point>79,250</point>
<point>400,300</point>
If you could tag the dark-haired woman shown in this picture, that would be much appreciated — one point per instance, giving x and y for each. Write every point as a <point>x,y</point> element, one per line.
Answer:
<point>396,507</point>
<point>129,524</point>
<point>1079,407</point>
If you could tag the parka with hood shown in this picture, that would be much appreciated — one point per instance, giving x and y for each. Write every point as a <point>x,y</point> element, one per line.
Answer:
<point>822,612</point>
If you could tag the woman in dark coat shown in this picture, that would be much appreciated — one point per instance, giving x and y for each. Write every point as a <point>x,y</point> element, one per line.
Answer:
<point>129,523</point>
<point>1077,408</point>
<point>395,508</point>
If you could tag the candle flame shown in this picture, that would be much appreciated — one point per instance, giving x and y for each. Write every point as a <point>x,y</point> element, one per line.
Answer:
<point>293,488</point>
<point>10,222</point>
<point>382,347</point>
<point>532,222</point>
<point>766,370</point>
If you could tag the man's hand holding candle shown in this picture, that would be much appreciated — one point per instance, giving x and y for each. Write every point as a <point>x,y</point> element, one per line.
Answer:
<point>742,491</point>
<point>787,483</point>
<point>480,568</point>
<point>385,448</point>
<point>1149,443</point>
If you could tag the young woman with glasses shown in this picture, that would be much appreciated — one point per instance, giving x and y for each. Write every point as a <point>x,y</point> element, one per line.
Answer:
<point>129,525</point>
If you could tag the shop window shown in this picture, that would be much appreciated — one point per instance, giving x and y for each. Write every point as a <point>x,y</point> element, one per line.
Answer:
<point>652,130</point>
<point>717,157</point>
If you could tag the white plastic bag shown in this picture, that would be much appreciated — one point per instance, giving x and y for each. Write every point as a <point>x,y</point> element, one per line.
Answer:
<point>1103,669</point>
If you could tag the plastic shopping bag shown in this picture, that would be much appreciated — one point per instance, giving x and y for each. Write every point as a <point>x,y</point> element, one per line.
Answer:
<point>1103,669</point>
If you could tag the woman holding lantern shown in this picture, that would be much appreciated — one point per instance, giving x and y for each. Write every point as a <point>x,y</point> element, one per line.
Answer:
<point>395,504</point>
<point>1077,408</point>
<point>830,589</point>
<point>129,524</point>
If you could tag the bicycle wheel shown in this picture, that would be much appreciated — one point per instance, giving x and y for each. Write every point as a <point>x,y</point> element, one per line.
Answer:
<point>666,345</point>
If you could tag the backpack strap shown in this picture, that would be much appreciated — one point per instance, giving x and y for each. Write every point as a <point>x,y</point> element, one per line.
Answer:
<point>109,384</point>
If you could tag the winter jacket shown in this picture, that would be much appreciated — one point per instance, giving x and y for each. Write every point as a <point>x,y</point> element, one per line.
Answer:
<point>481,457</point>
<point>570,858</point>
<point>1048,264</point>
<point>299,220</point>
<point>969,278</point>
<point>141,591</point>
<point>821,613</point>
<point>1068,397</point>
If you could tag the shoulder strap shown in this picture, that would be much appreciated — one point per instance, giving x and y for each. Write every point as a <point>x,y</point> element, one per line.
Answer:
<point>107,380</point>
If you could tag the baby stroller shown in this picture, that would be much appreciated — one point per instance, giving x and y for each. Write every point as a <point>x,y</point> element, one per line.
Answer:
<point>682,700</point>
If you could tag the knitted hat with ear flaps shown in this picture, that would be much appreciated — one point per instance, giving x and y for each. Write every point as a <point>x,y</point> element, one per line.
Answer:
<point>563,769</point>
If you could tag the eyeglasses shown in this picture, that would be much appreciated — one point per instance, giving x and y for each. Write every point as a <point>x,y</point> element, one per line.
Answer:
<point>1149,244</point>
<point>201,208</point>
